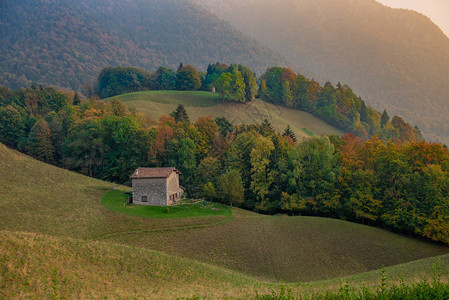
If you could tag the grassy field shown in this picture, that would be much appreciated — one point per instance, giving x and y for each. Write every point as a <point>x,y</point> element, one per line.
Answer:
<point>36,197</point>
<point>69,268</point>
<point>198,104</point>
<point>68,239</point>
<point>291,249</point>
<point>117,201</point>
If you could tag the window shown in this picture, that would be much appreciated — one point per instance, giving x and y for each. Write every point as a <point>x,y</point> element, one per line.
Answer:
<point>144,199</point>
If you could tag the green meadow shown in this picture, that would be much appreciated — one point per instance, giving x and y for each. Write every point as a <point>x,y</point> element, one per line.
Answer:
<point>198,104</point>
<point>77,238</point>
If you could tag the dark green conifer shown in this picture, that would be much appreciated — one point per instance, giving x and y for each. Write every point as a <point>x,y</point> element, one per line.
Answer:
<point>76,99</point>
<point>266,129</point>
<point>180,114</point>
<point>289,132</point>
<point>384,119</point>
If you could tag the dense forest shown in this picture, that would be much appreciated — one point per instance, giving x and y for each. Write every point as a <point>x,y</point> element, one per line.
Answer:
<point>67,43</point>
<point>398,184</point>
<point>396,58</point>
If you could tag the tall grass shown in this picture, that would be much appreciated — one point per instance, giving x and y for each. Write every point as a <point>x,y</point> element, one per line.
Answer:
<point>424,289</point>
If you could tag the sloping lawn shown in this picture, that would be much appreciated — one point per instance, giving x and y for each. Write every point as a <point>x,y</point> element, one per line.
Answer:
<point>117,201</point>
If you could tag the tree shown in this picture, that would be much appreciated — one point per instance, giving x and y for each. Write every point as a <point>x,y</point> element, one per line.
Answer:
<point>209,191</point>
<point>12,127</point>
<point>261,178</point>
<point>319,173</point>
<point>114,81</point>
<point>286,94</point>
<point>207,171</point>
<point>312,96</point>
<point>124,144</point>
<point>40,146</point>
<point>275,88</point>
<point>266,129</point>
<point>384,119</point>
<point>187,78</point>
<point>406,131</point>
<point>88,90</point>
<point>288,132</point>
<point>326,98</point>
<point>163,79</point>
<point>76,99</point>
<point>250,81</point>
<point>213,73</point>
<point>231,86</point>
<point>116,107</point>
<point>186,161</point>
<point>180,114</point>
<point>55,123</point>
<point>84,148</point>
<point>263,90</point>
<point>224,126</point>
<point>208,132</point>
<point>231,187</point>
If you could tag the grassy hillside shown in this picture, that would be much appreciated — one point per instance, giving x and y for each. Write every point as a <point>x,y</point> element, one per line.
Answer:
<point>67,43</point>
<point>285,248</point>
<point>157,103</point>
<point>79,269</point>
<point>36,197</point>
<point>68,268</point>
<point>43,199</point>
<point>397,59</point>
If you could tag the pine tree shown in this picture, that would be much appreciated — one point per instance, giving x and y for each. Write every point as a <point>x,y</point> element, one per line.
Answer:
<point>289,132</point>
<point>224,126</point>
<point>384,119</point>
<point>418,134</point>
<point>180,114</point>
<point>266,129</point>
<point>76,99</point>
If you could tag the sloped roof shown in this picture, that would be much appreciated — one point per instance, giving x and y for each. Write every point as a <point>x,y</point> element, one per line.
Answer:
<point>153,172</point>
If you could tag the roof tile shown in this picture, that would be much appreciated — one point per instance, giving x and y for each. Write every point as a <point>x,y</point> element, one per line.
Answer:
<point>153,172</point>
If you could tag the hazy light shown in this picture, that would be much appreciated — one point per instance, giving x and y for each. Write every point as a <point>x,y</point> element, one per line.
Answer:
<point>437,10</point>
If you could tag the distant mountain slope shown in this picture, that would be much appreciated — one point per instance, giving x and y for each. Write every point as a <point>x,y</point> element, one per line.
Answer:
<point>396,59</point>
<point>66,43</point>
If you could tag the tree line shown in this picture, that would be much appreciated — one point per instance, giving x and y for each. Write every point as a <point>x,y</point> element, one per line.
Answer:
<point>339,105</point>
<point>402,186</point>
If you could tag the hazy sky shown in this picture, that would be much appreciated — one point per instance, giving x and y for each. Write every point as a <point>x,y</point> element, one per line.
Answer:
<point>437,10</point>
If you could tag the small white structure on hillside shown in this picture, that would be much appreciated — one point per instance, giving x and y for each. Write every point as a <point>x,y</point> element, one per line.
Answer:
<point>156,186</point>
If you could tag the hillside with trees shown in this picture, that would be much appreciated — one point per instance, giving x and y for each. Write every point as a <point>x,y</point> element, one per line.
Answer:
<point>396,59</point>
<point>59,232</point>
<point>67,43</point>
<point>279,86</point>
<point>397,183</point>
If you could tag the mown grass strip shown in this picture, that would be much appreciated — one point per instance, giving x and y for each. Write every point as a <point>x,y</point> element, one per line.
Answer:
<point>225,220</point>
<point>116,201</point>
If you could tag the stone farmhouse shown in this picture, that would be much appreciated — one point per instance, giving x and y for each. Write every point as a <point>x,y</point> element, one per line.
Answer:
<point>156,186</point>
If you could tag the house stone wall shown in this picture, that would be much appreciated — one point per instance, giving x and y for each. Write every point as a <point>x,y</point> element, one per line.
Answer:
<point>154,188</point>
<point>174,192</point>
